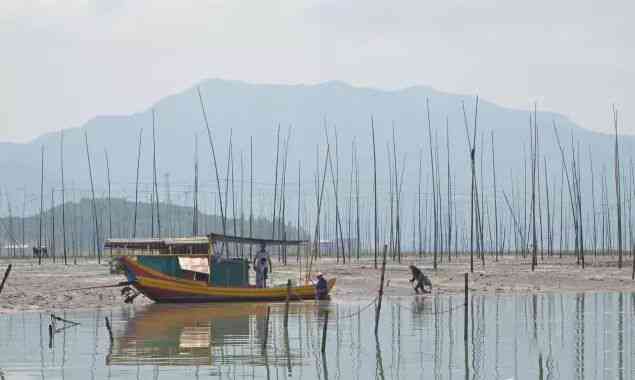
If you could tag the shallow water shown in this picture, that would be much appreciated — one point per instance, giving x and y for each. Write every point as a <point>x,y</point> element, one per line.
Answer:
<point>556,336</point>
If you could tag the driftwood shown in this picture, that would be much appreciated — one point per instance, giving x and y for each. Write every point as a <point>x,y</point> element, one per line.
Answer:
<point>6,275</point>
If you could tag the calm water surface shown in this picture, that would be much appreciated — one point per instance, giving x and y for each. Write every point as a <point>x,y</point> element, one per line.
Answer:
<point>553,336</point>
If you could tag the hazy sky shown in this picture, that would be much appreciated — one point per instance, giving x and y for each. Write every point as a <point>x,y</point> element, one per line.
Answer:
<point>64,61</point>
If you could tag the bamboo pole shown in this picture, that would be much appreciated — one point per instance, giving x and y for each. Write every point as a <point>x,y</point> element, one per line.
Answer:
<point>618,193</point>
<point>109,206</point>
<point>264,342</point>
<point>6,275</point>
<point>324,327</point>
<point>215,164</point>
<point>155,188</point>
<point>136,196</point>
<point>92,189</point>
<point>372,126</point>
<point>39,259</point>
<point>275,186</point>
<point>381,290</point>
<point>63,200</point>
<point>434,189</point>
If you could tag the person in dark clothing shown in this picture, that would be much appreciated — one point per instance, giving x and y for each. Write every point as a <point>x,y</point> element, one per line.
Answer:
<point>321,287</point>
<point>421,279</point>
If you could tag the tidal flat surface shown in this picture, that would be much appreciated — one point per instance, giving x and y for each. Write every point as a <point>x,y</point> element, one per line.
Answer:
<point>543,336</point>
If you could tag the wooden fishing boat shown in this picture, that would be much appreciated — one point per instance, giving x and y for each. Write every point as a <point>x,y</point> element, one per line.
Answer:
<point>167,277</point>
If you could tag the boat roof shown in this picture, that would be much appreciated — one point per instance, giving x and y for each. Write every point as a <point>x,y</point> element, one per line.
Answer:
<point>247,240</point>
<point>194,244</point>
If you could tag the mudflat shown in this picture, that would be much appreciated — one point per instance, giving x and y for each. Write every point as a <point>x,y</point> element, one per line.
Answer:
<point>48,286</point>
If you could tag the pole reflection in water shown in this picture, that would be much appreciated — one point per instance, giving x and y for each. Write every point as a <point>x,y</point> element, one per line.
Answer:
<point>551,336</point>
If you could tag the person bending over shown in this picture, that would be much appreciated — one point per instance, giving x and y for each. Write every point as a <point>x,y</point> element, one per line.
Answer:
<point>421,280</point>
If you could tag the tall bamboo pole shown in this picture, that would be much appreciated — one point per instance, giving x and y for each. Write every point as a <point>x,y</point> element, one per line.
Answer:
<point>154,173</point>
<point>496,240</point>
<point>136,193</point>
<point>92,190</point>
<point>275,186</point>
<point>372,126</point>
<point>63,200</point>
<point>39,259</point>
<point>434,192</point>
<point>618,193</point>
<point>109,203</point>
<point>214,162</point>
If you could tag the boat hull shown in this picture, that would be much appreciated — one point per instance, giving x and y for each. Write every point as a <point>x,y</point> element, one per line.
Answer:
<point>162,288</point>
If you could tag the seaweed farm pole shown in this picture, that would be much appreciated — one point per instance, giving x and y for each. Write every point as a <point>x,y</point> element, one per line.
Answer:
<point>419,230</point>
<point>242,201</point>
<point>533,152</point>
<point>372,126</point>
<point>324,327</point>
<point>286,305</point>
<point>434,192</point>
<point>63,201</point>
<point>549,229</point>
<point>195,195</point>
<point>465,326</point>
<point>251,191</point>
<point>472,149</point>
<point>154,172</point>
<point>211,144</point>
<point>23,223</point>
<point>297,252</point>
<point>283,198</point>
<point>335,181</point>
<point>136,191</point>
<point>109,205</point>
<point>357,225</point>
<point>52,223</point>
<point>264,342</point>
<point>6,275</point>
<point>275,186</point>
<point>618,193</point>
<point>447,143</point>
<point>92,190</point>
<point>595,237</point>
<point>381,289</point>
<point>39,259</point>
<point>397,198</point>
<point>496,241</point>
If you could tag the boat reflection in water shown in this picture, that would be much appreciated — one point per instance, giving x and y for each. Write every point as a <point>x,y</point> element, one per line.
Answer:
<point>209,335</point>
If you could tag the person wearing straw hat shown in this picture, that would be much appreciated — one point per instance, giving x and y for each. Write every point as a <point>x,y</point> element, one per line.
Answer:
<point>321,287</point>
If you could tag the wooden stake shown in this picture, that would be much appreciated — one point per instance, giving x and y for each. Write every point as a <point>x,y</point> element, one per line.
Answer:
<point>63,201</point>
<point>136,192</point>
<point>6,275</point>
<point>39,259</point>
<point>324,327</point>
<point>264,342</point>
<point>372,126</point>
<point>286,305</point>
<point>109,330</point>
<point>92,189</point>
<point>381,290</point>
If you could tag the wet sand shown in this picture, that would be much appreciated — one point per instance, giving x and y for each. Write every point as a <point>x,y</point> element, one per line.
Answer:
<point>45,287</point>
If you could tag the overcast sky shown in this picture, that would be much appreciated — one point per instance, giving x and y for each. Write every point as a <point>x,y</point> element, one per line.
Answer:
<point>63,62</point>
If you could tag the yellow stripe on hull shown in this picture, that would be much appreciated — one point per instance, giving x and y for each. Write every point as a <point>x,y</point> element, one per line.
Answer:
<point>162,290</point>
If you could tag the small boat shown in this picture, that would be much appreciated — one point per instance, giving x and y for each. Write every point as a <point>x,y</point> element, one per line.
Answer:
<point>178,270</point>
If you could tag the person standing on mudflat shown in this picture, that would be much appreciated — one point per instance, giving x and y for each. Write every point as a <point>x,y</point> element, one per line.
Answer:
<point>262,266</point>
<point>321,287</point>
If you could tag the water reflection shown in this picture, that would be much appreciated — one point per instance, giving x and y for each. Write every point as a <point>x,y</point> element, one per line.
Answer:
<point>551,336</point>
<point>205,335</point>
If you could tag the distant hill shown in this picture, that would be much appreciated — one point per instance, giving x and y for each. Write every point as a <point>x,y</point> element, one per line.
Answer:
<point>252,112</point>
<point>176,221</point>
